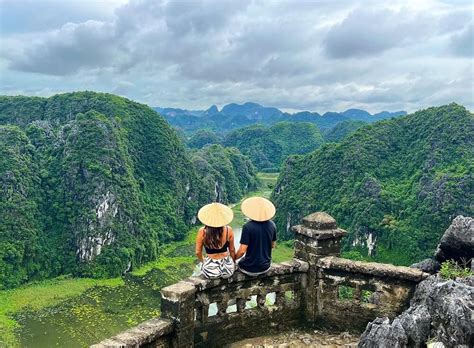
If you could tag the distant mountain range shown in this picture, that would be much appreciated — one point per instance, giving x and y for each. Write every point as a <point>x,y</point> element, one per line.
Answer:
<point>233,116</point>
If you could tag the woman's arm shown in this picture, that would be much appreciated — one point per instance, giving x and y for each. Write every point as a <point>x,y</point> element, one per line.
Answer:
<point>199,239</point>
<point>231,244</point>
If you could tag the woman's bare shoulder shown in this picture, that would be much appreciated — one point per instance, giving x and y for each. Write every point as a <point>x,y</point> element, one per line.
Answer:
<point>200,232</point>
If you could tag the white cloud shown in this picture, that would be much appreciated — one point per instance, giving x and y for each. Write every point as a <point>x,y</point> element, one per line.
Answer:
<point>319,55</point>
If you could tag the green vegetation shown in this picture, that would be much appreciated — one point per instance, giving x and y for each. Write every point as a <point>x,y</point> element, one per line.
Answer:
<point>94,184</point>
<point>224,173</point>
<point>39,295</point>
<point>268,147</point>
<point>88,302</point>
<point>342,130</point>
<point>451,270</point>
<point>203,137</point>
<point>397,183</point>
<point>75,306</point>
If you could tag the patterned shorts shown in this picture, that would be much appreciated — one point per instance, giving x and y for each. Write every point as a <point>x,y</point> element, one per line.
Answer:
<point>220,268</point>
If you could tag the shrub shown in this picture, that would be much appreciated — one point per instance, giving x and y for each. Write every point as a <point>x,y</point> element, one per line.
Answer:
<point>451,270</point>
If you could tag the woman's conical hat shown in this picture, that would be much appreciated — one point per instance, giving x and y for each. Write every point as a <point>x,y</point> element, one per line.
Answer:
<point>215,215</point>
<point>258,208</point>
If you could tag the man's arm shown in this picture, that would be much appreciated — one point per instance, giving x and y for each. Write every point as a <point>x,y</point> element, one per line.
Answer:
<point>241,252</point>
<point>274,237</point>
<point>244,242</point>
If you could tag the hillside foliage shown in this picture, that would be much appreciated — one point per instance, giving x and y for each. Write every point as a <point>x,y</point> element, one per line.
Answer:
<point>395,185</point>
<point>267,147</point>
<point>342,130</point>
<point>224,173</point>
<point>94,184</point>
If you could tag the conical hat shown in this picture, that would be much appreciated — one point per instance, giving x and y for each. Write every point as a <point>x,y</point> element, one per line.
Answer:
<point>215,215</point>
<point>258,208</point>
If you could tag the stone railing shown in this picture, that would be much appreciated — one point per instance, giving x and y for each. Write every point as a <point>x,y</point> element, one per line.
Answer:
<point>317,289</point>
<point>342,294</point>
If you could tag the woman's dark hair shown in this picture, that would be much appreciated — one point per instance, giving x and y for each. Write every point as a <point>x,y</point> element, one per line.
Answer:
<point>213,237</point>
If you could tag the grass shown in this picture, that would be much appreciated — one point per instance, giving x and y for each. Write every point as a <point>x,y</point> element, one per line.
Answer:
<point>282,253</point>
<point>38,295</point>
<point>167,259</point>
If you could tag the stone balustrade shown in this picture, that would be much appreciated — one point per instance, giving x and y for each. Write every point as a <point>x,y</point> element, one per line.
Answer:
<point>316,289</point>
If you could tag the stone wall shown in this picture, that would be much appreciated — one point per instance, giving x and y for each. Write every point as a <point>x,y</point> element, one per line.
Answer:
<point>317,289</point>
<point>343,294</point>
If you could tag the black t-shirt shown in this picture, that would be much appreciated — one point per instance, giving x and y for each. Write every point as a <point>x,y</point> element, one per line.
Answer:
<point>258,236</point>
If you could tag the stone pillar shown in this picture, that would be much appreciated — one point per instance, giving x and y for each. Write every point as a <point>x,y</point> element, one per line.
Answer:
<point>317,237</point>
<point>177,304</point>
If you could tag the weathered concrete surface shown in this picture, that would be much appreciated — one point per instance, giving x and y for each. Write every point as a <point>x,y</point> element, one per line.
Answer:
<point>320,221</point>
<point>288,267</point>
<point>153,330</point>
<point>441,310</point>
<point>233,324</point>
<point>372,268</point>
<point>375,292</point>
<point>457,242</point>
<point>319,234</point>
<point>177,291</point>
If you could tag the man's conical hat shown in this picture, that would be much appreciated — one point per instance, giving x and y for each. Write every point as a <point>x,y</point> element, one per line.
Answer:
<point>215,215</point>
<point>258,208</point>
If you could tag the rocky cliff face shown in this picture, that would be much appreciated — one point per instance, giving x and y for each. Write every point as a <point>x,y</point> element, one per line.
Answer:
<point>441,310</point>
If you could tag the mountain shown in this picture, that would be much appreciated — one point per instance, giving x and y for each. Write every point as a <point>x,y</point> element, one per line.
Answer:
<point>343,129</point>
<point>267,147</point>
<point>395,185</point>
<point>362,115</point>
<point>92,184</point>
<point>224,173</point>
<point>203,137</point>
<point>213,110</point>
<point>252,111</point>
<point>233,116</point>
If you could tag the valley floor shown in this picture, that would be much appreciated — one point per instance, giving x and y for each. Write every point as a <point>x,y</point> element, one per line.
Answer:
<point>76,312</point>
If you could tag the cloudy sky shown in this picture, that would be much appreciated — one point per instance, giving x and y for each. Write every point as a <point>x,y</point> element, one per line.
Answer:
<point>314,55</point>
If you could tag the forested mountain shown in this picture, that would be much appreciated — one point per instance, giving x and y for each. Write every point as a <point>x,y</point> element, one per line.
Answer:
<point>203,137</point>
<point>268,147</point>
<point>92,184</point>
<point>395,185</point>
<point>343,129</point>
<point>224,173</point>
<point>233,116</point>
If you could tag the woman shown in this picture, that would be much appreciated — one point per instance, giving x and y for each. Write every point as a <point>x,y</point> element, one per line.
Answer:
<point>217,238</point>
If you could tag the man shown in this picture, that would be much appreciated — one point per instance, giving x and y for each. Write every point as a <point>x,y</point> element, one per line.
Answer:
<point>258,236</point>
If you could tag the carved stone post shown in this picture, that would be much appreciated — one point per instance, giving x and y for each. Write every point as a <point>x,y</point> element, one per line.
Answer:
<point>177,304</point>
<point>317,237</point>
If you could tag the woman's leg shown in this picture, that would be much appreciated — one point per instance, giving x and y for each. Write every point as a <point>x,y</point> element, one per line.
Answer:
<point>211,268</point>
<point>227,267</point>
